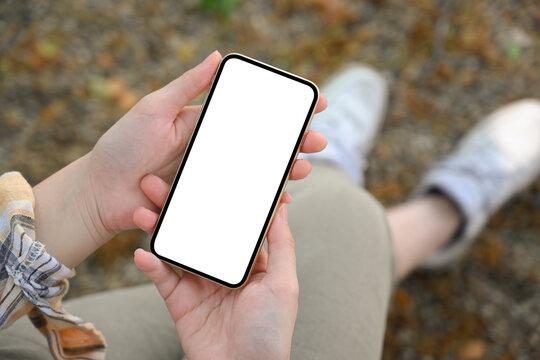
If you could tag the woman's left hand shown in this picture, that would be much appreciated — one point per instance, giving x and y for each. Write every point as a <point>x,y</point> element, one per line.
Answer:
<point>151,139</point>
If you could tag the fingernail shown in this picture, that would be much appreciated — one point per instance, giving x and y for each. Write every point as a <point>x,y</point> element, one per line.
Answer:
<point>211,56</point>
<point>283,213</point>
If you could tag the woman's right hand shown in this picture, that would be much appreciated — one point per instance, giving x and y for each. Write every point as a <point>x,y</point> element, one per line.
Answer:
<point>214,322</point>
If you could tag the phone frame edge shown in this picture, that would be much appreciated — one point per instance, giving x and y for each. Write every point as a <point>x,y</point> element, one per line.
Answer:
<point>283,184</point>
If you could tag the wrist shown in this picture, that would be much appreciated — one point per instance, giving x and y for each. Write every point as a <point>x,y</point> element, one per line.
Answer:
<point>89,205</point>
<point>67,216</point>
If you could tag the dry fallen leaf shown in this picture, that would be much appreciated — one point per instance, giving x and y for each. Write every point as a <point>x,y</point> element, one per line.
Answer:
<point>473,349</point>
<point>118,90</point>
<point>127,100</point>
<point>106,60</point>
<point>52,111</point>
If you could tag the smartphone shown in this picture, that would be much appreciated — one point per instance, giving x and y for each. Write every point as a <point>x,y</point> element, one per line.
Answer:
<point>234,170</point>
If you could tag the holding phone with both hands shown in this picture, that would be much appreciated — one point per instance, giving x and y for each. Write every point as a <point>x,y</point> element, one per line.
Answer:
<point>234,170</point>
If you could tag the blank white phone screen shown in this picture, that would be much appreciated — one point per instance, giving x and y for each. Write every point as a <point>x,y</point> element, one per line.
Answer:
<point>233,171</point>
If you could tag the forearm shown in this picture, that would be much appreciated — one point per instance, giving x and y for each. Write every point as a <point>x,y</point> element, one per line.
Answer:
<point>67,217</point>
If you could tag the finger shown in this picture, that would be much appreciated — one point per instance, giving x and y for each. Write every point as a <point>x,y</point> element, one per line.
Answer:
<point>192,83</point>
<point>163,277</point>
<point>286,198</point>
<point>155,189</point>
<point>301,168</point>
<point>322,104</point>
<point>145,219</point>
<point>281,256</point>
<point>314,142</point>
<point>261,260</point>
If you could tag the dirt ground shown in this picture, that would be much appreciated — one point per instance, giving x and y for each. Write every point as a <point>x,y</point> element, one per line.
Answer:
<point>69,70</point>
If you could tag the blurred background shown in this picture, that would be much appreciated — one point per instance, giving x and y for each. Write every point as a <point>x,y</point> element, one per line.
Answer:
<point>70,69</point>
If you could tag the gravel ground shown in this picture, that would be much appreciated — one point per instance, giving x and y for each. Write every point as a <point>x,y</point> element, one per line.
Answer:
<point>68,70</point>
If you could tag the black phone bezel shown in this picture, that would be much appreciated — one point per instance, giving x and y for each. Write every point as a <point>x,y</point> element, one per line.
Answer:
<point>283,180</point>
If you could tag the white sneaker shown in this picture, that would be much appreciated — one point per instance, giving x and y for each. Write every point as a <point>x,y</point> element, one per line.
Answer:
<point>497,159</point>
<point>357,99</point>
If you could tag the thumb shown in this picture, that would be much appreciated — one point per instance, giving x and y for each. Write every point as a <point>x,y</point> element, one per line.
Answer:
<point>281,255</point>
<point>192,83</point>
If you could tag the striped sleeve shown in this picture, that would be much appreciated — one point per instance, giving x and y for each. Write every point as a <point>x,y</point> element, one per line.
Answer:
<point>33,283</point>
